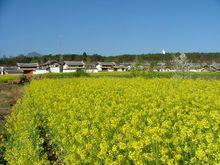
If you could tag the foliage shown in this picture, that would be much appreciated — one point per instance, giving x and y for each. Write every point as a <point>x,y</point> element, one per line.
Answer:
<point>192,57</point>
<point>9,94</point>
<point>62,75</point>
<point>114,120</point>
<point>152,74</point>
<point>2,137</point>
<point>181,63</point>
<point>8,78</point>
<point>153,64</point>
<point>2,160</point>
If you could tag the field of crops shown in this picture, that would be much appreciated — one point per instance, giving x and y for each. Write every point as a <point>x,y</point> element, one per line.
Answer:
<point>125,121</point>
<point>8,78</point>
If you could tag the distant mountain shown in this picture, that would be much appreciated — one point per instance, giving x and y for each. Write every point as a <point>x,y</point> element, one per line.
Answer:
<point>33,54</point>
<point>3,56</point>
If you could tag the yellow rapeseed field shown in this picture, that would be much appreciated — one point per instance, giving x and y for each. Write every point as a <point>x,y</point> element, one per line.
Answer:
<point>116,121</point>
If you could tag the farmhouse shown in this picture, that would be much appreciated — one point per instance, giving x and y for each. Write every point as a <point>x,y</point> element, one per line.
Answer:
<point>195,67</point>
<point>128,65</point>
<point>120,68</point>
<point>216,66</point>
<point>52,66</point>
<point>106,66</point>
<point>73,66</point>
<point>11,70</point>
<point>213,67</point>
<point>28,68</point>
<point>161,66</point>
<point>91,68</point>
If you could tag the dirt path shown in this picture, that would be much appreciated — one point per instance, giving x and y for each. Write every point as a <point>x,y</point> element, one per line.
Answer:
<point>9,94</point>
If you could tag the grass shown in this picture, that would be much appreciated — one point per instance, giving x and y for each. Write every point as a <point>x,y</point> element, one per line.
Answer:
<point>4,79</point>
<point>8,78</point>
<point>62,75</point>
<point>131,74</point>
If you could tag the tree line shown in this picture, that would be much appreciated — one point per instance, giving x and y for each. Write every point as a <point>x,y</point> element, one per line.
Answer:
<point>125,58</point>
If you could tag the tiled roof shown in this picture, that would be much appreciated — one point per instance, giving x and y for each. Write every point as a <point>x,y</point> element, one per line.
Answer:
<point>107,63</point>
<point>51,62</point>
<point>74,62</point>
<point>28,65</point>
<point>12,70</point>
<point>120,67</point>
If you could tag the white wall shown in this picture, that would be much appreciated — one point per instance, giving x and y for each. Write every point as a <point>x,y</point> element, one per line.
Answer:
<point>65,66</point>
<point>1,70</point>
<point>40,71</point>
<point>91,70</point>
<point>68,71</point>
<point>55,69</point>
<point>99,67</point>
<point>194,70</point>
<point>111,70</point>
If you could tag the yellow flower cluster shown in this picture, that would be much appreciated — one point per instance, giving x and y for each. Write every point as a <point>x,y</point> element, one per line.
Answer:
<point>117,121</point>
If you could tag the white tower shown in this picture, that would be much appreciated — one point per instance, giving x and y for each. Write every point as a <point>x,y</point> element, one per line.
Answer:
<point>163,51</point>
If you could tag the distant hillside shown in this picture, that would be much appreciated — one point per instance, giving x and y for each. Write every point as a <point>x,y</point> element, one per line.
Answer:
<point>33,54</point>
<point>126,58</point>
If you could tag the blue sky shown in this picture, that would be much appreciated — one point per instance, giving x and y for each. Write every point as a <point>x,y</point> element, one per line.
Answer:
<point>109,27</point>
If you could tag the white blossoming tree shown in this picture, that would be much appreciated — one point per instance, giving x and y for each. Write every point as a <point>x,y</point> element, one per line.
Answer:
<point>181,63</point>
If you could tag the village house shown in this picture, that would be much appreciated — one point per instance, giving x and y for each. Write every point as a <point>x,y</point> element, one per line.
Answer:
<point>212,67</point>
<point>73,66</point>
<point>120,68</point>
<point>11,70</point>
<point>127,66</point>
<point>136,66</point>
<point>40,71</point>
<point>160,67</point>
<point>146,66</point>
<point>28,68</point>
<point>91,68</point>
<point>167,68</point>
<point>52,66</point>
<point>216,66</point>
<point>195,67</point>
<point>105,66</point>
